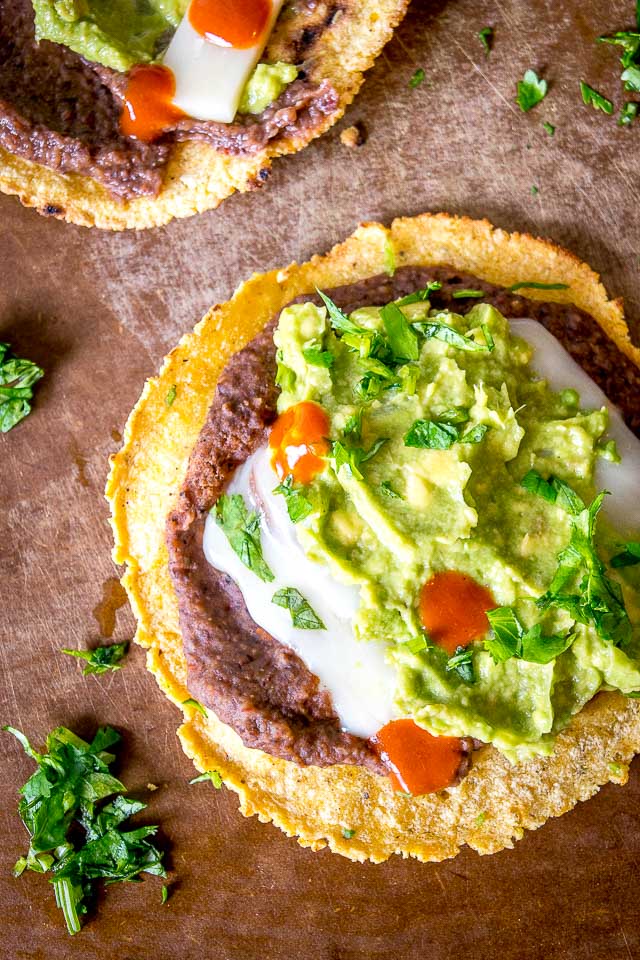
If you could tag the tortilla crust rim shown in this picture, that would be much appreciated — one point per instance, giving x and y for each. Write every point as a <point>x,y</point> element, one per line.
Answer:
<point>197,177</point>
<point>496,802</point>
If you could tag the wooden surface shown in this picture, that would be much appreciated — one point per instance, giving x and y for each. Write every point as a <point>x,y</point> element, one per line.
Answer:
<point>99,311</point>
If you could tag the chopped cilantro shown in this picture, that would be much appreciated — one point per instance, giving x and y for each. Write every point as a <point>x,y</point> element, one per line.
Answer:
<point>417,77</point>
<point>171,395</point>
<point>17,378</point>
<point>352,457</point>
<point>298,507</point>
<point>440,435</point>
<point>534,190</point>
<point>448,334</point>
<point>165,893</point>
<point>534,285</point>
<point>628,113</point>
<point>417,644</point>
<point>348,833</point>
<point>242,530</point>
<point>616,769</point>
<point>465,294</point>
<point>631,78</point>
<point>353,426</point>
<point>387,490</point>
<point>509,639</point>
<point>100,659</point>
<point>480,819</point>
<point>549,127</point>
<point>402,338</point>
<point>211,775</point>
<point>553,490</point>
<point>628,557</point>
<point>420,296</point>
<point>318,357</point>
<point>486,38</point>
<point>389,257</point>
<point>64,796</point>
<point>531,91</point>
<point>302,614</point>
<point>462,664</point>
<point>596,100</point>
<point>195,705</point>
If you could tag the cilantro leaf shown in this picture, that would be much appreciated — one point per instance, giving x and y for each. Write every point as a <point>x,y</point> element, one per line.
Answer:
<point>509,639</point>
<point>298,507</point>
<point>553,490</point>
<point>171,395</point>
<point>69,786</point>
<point>339,320</point>
<point>462,663</point>
<point>402,338</point>
<point>387,490</point>
<point>596,100</point>
<point>352,457</point>
<point>531,91</point>
<point>628,557</point>
<point>242,530</point>
<point>100,659</point>
<point>17,378</point>
<point>534,285</point>
<point>417,77</point>
<point>431,435</point>
<point>211,775</point>
<point>420,296</point>
<point>628,113</point>
<point>442,434</point>
<point>448,334</point>
<point>195,705</point>
<point>348,833</point>
<point>302,614</point>
<point>549,128</point>
<point>318,357</point>
<point>631,78</point>
<point>486,38</point>
<point>353,426</point>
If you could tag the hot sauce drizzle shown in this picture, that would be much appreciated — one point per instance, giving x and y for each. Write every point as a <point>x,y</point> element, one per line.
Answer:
<point>236,23</point>
<point>298,442</point>
<point>419,762</point>
<point>148,107</point>
<point>453,609</point>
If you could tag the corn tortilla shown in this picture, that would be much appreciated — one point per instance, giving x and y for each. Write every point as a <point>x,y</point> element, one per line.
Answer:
<point>496,802</point>
<point>197,177</point>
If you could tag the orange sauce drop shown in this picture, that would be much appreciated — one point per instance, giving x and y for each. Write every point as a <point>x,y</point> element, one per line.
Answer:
<point>238,23</point>
<point>298,441</point>
<point>453,609</point>
<point>419,762</point>
<point>148,107</point>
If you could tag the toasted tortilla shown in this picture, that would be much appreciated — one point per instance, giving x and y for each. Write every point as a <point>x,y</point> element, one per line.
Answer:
<point>197,177</point>
<point>496,802</point>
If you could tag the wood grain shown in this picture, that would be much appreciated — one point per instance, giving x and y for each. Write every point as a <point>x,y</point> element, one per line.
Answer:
<point>99,311</point>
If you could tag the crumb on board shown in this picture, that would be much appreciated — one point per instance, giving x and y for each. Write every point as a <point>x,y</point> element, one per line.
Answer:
<point>353,136</point>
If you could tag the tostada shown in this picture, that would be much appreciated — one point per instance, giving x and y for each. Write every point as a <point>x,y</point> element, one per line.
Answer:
<point>125,114</point>
<point>380,520</point>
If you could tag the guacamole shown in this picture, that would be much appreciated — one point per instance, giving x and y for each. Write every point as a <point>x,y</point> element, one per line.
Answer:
<point>117,34</point>
<point>449,454</point>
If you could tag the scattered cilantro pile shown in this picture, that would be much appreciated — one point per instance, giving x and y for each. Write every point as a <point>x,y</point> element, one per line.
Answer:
<point>100,659</point>
<point>63,799</point>
<point>17,378</point>
<point>629,42</point>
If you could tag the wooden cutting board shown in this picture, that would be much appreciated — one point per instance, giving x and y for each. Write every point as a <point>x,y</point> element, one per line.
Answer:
<point>99,311</point>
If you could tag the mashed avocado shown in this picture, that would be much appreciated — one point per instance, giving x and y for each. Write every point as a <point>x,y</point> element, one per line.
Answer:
<point>265,85</point>
<point>118,33</point>
<point>435,420</point>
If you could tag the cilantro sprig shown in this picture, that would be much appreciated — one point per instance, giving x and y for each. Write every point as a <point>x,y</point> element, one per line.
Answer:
<point>242,529</point>
<point>17,379</point>
<point>580,584</point>
<point>67,791</point>
<point>100,659</point>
